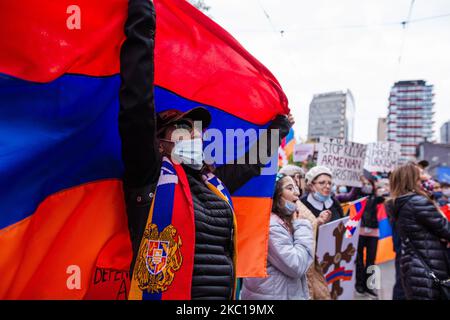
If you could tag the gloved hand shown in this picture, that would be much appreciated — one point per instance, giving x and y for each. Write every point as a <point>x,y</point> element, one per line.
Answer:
<point>283,123</point>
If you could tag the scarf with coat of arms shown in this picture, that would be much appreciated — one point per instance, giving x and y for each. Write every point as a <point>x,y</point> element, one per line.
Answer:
<point>165,260</point>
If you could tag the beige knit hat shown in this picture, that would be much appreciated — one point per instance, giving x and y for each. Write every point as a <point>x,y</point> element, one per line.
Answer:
<point>314,172</point>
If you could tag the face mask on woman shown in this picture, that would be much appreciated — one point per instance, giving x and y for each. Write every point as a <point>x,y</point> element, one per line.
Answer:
<point>189,152</point>
<point>437,194</point>
<point>320,197</point>
<point>343,189</point>
<point>289,207</point>
<point>428,185</point>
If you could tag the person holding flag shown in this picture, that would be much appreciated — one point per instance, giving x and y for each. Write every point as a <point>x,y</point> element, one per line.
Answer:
<point>180,214</point>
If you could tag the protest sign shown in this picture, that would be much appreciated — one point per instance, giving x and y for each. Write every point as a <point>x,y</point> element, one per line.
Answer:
<point>303,152</point>
<point>345,159</point>
<point>382,156</point>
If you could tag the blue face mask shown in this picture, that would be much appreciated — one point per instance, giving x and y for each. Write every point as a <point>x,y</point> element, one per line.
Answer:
<point>320,197</point>
<point>290,207</point>
<point>343,189</point>
<point>437,194</point>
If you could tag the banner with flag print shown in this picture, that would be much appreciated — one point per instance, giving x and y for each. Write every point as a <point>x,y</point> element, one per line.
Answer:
<point>385,248</point>
<point>356,210</point>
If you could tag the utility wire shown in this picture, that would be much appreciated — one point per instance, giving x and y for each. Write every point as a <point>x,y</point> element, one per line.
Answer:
<point>405,25</point>
<point>280,32</point>
<point>430,18</point>
<point>356,26</point>
<point>269,19</point>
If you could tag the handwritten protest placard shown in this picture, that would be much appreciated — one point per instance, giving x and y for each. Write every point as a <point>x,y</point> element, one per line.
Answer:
<point>382,156</point>
<point>345,159</point>
<point>303,152</point>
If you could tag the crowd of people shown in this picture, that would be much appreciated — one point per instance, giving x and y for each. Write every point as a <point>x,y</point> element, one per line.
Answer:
<point>421,232</point>
<point>157,161</point>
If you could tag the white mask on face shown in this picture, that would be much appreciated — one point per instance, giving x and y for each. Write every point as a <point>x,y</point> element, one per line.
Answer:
<point>189,153</point>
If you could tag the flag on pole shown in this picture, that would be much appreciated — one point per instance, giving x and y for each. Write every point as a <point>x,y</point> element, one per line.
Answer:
<point>356,211</point>
<point>286,148</point>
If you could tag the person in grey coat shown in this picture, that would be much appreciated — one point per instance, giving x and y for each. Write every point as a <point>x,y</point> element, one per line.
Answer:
<point>290,251</point>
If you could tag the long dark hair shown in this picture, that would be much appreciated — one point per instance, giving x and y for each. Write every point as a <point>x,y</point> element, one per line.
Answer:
<point>277,205</point>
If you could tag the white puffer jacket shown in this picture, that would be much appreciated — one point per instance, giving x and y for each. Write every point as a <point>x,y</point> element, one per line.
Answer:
<point>289,257</point>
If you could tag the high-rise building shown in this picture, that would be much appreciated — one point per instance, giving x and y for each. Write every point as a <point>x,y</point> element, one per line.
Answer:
<point>332,115</point>
<point>381,130</point>
<point>410,116</point>
<point>445,132</point>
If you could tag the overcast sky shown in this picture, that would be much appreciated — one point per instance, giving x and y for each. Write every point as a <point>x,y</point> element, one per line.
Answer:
<point>331,45</point>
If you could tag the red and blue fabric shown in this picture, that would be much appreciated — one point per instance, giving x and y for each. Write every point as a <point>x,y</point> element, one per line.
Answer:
<point>356,211</point>
<point>60,161</point>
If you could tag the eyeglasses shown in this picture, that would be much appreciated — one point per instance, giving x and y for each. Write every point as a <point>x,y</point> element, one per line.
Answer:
<point>322,183</point>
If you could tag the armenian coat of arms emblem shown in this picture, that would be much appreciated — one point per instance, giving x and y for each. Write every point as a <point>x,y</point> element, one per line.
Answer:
<point>158,259</point>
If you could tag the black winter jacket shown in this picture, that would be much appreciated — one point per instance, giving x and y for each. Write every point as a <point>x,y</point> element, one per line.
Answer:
<point>213,275</point>
<point>418,220</point>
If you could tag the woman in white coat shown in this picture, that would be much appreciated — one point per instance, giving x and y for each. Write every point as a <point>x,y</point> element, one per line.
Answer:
<point>290,250</point>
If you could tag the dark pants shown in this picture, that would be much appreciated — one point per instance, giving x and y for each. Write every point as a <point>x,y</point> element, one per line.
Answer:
<point>371,244</point>
<point>397,292</point>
